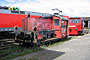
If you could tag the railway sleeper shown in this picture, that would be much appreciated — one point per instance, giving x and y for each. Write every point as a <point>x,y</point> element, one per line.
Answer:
<point>2,44</point>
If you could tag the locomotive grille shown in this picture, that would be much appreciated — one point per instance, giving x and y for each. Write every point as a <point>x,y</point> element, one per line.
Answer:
<point>25,24</point>
<point>14,11</point>
<point>22,12</point>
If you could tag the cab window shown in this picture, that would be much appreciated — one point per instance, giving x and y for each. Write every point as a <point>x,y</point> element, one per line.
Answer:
<point>72,21</point>
<point>56,22</point>
<point>63,24</point>
<point>77,20</point>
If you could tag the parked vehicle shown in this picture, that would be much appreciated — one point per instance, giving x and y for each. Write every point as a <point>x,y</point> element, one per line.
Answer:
<point>38,29</point>
<point>75,26</point>
<point>10,19</point>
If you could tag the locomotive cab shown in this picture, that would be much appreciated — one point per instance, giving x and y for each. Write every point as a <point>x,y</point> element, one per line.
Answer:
<point>60,24</point>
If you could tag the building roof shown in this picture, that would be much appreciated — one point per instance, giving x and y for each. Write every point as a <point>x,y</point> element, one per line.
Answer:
<point>75,17</point>
<point>85,18</point>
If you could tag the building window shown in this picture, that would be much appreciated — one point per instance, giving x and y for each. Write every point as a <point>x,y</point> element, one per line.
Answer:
<point>56,22</point>
<point>77,20</point>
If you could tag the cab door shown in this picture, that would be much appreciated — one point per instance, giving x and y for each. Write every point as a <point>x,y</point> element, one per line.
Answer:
<point>56,26</point>
<point>64,24</point>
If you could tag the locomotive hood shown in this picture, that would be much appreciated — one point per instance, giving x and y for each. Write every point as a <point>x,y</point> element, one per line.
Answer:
<point>47,16</point>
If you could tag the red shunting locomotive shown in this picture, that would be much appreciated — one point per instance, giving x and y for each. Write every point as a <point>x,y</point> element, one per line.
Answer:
<point>75,26</point>
<point>39,29</point>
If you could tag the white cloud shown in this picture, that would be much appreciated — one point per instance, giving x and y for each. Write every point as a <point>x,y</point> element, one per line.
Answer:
<point>69,7</point>
<point>9,0</point>
<point>12,1</point>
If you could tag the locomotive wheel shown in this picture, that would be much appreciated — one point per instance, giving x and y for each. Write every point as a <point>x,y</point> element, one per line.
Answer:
<point>66,37</point>
<point>38,42</point>
<point>52,35</point>
<point>20,38</point>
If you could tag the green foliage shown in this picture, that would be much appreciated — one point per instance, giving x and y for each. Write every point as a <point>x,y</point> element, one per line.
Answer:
<point>60,41</point>
<point>16,51</point>
<point>34,58</point>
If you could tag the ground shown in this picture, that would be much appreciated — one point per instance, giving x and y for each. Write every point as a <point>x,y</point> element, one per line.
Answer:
<point>75,49</point>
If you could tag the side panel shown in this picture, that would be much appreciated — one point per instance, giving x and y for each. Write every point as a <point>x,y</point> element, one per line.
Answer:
<point>9,21</point>
<point>42,26</point>
<point>38,23</point>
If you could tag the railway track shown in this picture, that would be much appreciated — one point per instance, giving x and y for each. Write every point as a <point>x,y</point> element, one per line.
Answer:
<point>5,43</point>
<point>10,47</point>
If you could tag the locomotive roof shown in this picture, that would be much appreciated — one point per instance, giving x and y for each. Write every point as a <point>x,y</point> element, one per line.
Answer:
<point>47,16</point>
<point>62,17</point>
<point>75,17</point>
<point>20,12</point>
<point>44,15</point>
<point>23,12</point>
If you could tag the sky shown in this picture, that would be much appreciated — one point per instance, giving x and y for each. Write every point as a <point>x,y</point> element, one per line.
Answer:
<point>72,8</point>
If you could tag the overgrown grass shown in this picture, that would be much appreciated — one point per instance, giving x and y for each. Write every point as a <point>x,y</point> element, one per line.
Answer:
<point>33,58</point>
<point>60,41</point>
<point>10,49</point>
<point>64,40</point>
<point>17,51</point>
